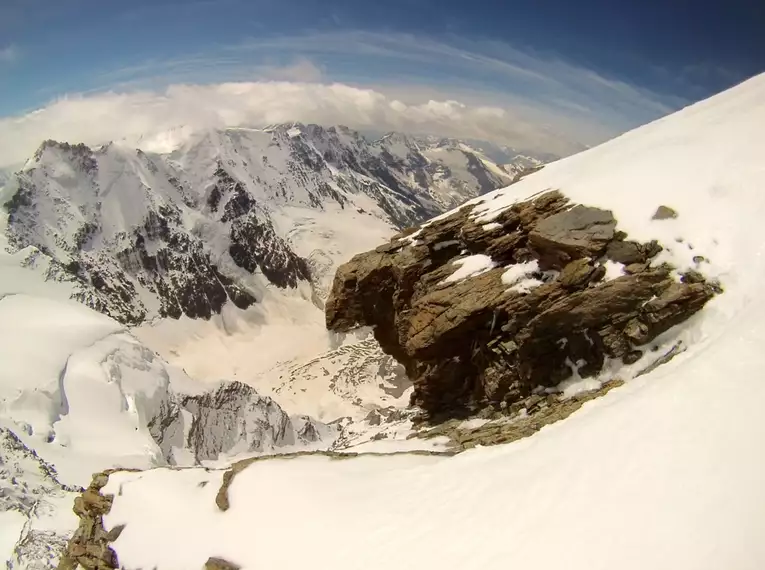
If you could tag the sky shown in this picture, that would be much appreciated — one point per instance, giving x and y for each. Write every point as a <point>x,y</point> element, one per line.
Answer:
<point>547,75</point>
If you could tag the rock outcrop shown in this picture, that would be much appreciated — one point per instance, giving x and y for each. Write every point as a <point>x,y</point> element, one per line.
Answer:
<point>232,418</point>
<point>89,547</point>
<point>541,310</point>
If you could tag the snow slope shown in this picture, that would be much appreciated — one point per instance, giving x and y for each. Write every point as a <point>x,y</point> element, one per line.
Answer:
<point>80,394</point>
<point>665,472</point>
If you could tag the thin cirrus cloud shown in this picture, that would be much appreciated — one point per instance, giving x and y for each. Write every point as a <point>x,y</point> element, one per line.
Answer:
<point>481,90</point>
<point>9,54</point>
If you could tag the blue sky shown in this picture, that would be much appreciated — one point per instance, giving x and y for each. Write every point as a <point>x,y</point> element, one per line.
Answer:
<point>587,69</point>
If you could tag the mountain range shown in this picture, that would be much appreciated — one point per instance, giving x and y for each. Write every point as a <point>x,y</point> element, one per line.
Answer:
<point>230,213</point>
<point>164,315</point>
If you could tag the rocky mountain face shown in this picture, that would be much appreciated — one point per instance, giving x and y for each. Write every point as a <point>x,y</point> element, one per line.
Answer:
<point>30,489</point>
<point>487,314</point>
<point>140,235</point>
<point>233,418</point>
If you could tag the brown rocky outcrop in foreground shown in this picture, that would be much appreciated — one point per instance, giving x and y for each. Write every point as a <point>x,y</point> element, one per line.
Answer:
<point>89,547</point>
<point>480,342</point>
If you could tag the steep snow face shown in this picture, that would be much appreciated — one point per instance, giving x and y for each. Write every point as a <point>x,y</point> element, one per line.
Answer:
<point>665,472</point>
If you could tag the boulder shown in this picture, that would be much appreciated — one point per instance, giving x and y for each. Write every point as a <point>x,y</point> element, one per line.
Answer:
<point>664,213</point>
<point>482,341</point>
<point>572,234</point>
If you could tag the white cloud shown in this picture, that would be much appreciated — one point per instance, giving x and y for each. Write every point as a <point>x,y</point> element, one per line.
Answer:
<point>302,69</point>
<point>9,54</point>
<point>470,89</point>
<point>142,118</point>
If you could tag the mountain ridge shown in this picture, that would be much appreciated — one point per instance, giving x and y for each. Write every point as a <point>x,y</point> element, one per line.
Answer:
<point>141,234</point>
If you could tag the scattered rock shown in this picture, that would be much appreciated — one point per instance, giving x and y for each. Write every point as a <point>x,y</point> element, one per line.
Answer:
<point>664,213</point>
<point>692,276</point>
<point>514,425</point>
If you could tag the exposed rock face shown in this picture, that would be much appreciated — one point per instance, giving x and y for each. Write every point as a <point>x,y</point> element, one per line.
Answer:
<point>139,235</point>
<point>233,418</point>
<point>494,338</point>
<point>30,486</point>
<point>89,547</point>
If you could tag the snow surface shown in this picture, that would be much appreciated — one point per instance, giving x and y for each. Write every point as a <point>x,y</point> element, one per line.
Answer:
<point>470,267</point>
<point>517,272</point>
<point>614,270</point>
<point>665,472</point>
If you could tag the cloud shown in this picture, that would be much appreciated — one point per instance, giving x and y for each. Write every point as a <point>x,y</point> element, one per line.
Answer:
<point>144,118</point>
<point>9,54</point>
<point>302,69</point>
<point>463,88</point>
<point>457,60</point>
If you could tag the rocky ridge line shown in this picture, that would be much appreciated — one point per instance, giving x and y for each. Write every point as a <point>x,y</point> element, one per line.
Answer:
<point>543,312</point>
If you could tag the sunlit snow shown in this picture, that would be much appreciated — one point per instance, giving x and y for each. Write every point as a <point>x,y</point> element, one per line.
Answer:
<point>470,267</point>
<point>665,472</point>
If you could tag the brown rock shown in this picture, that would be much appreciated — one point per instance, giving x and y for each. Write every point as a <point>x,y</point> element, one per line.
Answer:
<point>678,302</point>
<point>633,268</point>
<point>476,344</point>
<point>664,213</point>
<point>579,232</point>
<point>577,273</point>
<point>626,252</point>
<point>215,563</point>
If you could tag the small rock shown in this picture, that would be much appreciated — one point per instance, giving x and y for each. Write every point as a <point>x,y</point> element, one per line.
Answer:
<point>632,357</point>
<point>692,276</point>
<point>215,563</point>
<point>598,274</point>
<point>533,401</point>
<point>99,480</point>
<point>625,252</point>
<point>576,273</point>
<point>634,268</point>
<point>664,213</point>
<point>115,533</point>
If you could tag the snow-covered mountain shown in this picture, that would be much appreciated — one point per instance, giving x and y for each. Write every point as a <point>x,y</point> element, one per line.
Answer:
<point>232,239</point>
<point>79,393</point>
<point>665,471</point>
<point>227,215</point>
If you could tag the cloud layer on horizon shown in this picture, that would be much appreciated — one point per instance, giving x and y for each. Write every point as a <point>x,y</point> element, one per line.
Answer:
<point>146,118</point>
<point>480,90</point>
